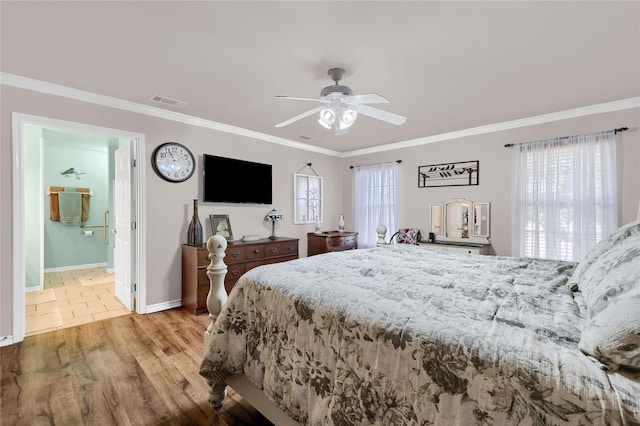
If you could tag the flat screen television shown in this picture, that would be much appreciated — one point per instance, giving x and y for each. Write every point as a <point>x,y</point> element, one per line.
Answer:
<point>228,180</point>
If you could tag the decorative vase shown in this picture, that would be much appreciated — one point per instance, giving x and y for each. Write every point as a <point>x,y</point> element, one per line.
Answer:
<point>341,223</point>
<point>194,233</point>
<point>318,226</point>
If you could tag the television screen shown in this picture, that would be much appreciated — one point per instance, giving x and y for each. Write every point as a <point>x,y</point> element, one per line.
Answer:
<point>228,180</point>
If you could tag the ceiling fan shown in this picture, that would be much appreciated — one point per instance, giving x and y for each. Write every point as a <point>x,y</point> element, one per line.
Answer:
<point>342,107</point>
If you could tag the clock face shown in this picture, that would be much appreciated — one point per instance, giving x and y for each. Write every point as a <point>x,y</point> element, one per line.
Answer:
<point>173,162</point>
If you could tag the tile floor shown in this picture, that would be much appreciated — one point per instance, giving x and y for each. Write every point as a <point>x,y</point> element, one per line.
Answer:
<point>72,298</point>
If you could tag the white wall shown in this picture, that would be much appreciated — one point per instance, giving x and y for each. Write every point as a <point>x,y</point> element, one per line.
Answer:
<point>169,206</point>
<point>495,170</point>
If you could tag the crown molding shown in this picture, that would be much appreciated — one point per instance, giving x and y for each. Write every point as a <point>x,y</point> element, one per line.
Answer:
<point>116,103</point>
<point>111,102</point>
<point>619,105</point>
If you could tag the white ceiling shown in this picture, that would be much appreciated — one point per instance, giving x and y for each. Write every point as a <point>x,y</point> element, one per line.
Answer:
<point>446,66</point>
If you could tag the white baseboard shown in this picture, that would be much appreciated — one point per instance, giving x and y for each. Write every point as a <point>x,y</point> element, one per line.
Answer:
<point>163,306</point>
<point>74,267</point>
<point>6,341</point>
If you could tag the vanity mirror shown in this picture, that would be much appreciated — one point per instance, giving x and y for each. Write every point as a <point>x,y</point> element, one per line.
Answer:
<point>460,220</point>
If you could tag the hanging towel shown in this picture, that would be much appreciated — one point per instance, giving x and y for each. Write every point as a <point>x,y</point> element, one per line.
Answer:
<point>70,205</point>
<point>54,211</point>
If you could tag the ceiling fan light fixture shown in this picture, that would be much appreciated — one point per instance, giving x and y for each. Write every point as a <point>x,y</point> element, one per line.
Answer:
<point>327,118</point>
<point>348,117</point>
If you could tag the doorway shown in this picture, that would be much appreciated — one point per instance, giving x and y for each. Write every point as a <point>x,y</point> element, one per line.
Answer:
<point>24,188</point>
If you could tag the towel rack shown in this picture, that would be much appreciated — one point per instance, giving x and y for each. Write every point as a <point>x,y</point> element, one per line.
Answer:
<point>49,192</point>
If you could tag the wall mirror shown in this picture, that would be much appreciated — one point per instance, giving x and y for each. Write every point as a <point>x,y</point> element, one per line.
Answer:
<point>307,198</point>
<point>460,220</point>
<point>457,219</point>
<point>436,218</point>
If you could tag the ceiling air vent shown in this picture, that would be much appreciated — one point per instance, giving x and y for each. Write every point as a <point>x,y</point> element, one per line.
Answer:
<point>168,101</point>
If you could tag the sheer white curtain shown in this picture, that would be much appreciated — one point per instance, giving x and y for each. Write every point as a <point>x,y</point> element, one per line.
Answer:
<point>375,190</point>
<point>564,195</point>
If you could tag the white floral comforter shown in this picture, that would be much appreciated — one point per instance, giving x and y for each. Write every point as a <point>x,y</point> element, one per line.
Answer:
<point>405,335</point>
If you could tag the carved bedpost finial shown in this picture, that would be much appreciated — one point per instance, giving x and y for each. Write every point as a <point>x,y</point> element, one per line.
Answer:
<point>382,232</point>
<point>216,271</point>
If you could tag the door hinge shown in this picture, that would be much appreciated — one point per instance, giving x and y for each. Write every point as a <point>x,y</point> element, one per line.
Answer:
<point>134,287</point>
<point>134,226</point>
<point>133,162</point>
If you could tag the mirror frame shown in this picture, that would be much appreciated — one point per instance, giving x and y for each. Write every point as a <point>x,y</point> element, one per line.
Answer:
<point>307,206</point>
<point>437,210</point>
<point>473,237</point>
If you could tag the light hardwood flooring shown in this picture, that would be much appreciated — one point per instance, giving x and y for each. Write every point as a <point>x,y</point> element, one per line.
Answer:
<point>128,370</point>
<point>72,298</point>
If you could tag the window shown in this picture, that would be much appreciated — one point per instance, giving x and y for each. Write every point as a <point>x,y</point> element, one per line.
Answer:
<point>375,194</point>
<point>307,198</point>
<point>564,196</point>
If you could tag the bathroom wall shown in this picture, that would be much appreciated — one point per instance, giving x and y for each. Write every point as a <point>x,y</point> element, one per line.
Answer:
<point>66,246</point>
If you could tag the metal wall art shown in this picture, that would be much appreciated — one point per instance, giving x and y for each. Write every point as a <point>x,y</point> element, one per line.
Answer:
<point>449,174</point>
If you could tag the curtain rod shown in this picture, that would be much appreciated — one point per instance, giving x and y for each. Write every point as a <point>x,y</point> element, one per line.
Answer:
<point>618,130</point>
<point>397,161</point>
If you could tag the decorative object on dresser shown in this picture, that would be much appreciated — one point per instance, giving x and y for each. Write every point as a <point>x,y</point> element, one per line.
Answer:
<point>341,223</point>
<point>449,174</point>
<point>461,225</point>
<point>220,225</point>
<point>194,232</point>
<point>173,162</point>
<point>326,242</point>
<point>240,257</point>
<point>273,216</point>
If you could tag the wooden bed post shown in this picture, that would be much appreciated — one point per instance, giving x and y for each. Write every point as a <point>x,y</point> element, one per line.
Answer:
<point>216,271</point>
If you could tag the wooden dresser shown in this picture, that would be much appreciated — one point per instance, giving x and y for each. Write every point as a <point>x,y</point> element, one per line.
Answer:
<point>325,242</point>
<point>239,256</point>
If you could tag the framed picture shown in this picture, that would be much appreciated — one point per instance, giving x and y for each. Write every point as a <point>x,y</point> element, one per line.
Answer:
<point>220,225</point>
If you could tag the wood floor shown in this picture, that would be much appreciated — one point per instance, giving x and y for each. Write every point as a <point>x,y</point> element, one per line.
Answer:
<point>129,370</point>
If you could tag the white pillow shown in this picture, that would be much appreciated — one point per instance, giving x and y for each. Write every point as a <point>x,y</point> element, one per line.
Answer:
<point>611,290</point>
<point>602,246</point>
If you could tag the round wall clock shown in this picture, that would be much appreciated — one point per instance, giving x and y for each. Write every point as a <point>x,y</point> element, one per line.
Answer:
<point>173,162</point>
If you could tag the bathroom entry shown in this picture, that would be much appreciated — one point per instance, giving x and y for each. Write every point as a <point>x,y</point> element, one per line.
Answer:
<point>40,252</point>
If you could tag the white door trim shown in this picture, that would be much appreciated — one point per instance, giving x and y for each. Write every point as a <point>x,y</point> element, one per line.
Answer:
<point>18,121</point>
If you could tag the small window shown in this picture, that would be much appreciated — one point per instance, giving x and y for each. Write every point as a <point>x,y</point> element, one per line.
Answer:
<point>307,202</point>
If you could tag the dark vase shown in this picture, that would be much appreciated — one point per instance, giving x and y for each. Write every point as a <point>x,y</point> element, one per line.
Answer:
<point>194,233</point>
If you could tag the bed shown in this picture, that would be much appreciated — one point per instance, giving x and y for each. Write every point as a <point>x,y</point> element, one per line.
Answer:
<point>405,334</point>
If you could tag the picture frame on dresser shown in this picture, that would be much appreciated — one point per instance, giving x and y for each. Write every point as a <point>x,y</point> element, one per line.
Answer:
<point>220,225</point>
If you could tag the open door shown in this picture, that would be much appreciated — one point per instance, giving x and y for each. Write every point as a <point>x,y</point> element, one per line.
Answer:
<point>123,225</point>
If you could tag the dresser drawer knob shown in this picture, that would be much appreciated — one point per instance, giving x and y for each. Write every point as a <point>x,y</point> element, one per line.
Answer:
<point>256,251</point>
<point>235,254</point>
<point>274,250</point>
<point>235,272</point>
<point>292,248</point>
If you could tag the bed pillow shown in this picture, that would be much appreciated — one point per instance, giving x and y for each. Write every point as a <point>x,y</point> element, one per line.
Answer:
<point>600,248</point>
<point>611,291</point>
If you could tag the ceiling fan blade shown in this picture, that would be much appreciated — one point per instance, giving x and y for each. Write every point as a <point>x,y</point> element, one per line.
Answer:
<point>303,99</point>
<point>369,98</point>
<point>300,116</point>
<point>387,116</point>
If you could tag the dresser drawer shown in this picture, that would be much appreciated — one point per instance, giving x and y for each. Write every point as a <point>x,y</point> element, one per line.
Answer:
<point>203,258</point>
<point>281,249</point>
<point>235,254</point>
<point>256,252</point>
<point>235,271</point>
<point>280,259</point>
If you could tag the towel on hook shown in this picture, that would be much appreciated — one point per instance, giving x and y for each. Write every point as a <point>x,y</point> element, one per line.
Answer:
<point>54,211</point>
<point>70,206</point>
